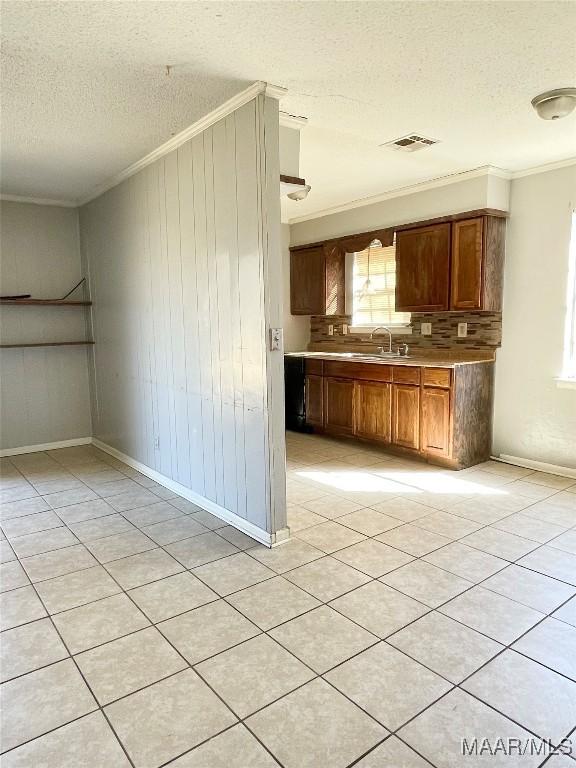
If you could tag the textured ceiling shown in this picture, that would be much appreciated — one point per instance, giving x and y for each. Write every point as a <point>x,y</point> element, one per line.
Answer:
<point>85,92</point>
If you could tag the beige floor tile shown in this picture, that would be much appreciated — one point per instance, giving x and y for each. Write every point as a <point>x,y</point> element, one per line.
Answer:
<point>116,488</point>
<point>99,622</point>
<point>26,648</point>
<point>426,583</point>
<point>552,643</point>
<point>41,521</point>
<point>388,685</point>
<point>207,630</point>
<point>566,542</point>
<point>536,530</point>
<point>168,718</point>
<point>445,524</point>
<point>17,491</point>
<point>331,506</point>
<point>499,543</point>
<point>403,509</point>
<point>207,519</point>
<point>230,574</point>
<point>59,562</point>
<point>272,602</point>
<point>143,568</point>
<point>76,589</point>
<point>393,753</point>
<point>237,538</point>
<point>200,549</point>
<point>44,541</point>
<point>323,638</point>
<point>530,588</point>
<point>415,541</point>
<point>552,562</point>
<point>132,499</point>
<point>445,646</point>
<point>299,518</point>
<point>7,554</point>
<point>174,530</point>
<point>373,557</point>
<point>466,562</point>
<point>330,536</point>
<point>100,527</point>
<point>86,510</point>
<point>437,733</point>
<point>235,748</point>
<point>559,509</point>
<point>379,608</point>
<point>12,509</point>
<point>253,674</point>
<point>122,545</point>
<point>188,507</point>
<point>12,576</point>
<point>125,665</point>
<point>535,697</point>
<point>369,521</point>
<point>63,483</point>
<point>171,596</point>
<point>157,512</point>
<point>494,615</point>
<point>72,496</point>
<point>327,578</point>
<point>315,726</point>
<point>567,612</point>
<point>551,481</point>
<point>43,700</point>
<point>88,742</point>
<point>287,556</point>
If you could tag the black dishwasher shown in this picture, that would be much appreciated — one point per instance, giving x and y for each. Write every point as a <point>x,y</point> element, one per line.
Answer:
<point>295,394</point>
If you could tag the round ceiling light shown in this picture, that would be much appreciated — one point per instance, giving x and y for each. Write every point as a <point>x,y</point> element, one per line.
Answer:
<point>553,105</point>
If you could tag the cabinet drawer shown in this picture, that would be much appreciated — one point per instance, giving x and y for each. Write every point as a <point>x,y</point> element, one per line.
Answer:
<point>437,377</point>
<point>314,367</point>
<point>362,371</point>
<point>406,374</point>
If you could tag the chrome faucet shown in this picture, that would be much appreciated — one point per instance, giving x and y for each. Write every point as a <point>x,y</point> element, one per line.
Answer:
<point>389,332</point>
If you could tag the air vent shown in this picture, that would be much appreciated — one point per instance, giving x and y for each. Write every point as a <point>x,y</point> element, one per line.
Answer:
<point>411,143</point>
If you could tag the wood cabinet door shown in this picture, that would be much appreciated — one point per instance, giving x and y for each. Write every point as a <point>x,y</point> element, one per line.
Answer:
<point>307,281</point>
<point>315,401</point>
<point>339,406</point>
<point>372,410</point>
<point>436,421</point>
<point>467,252</point>
<point>406,415</point>
<point>423,269</point>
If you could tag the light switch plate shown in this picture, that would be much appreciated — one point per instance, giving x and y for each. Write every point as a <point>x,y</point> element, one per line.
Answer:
<point>426,329</point>
<point>276,339</point>
<point>344,329</point>
<point>330,330</point>
<point>462,330</point>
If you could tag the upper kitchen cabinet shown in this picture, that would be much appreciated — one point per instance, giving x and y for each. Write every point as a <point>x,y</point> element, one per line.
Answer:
<point>455,265</point>
<point>423,269</point>
<point>317,280</point>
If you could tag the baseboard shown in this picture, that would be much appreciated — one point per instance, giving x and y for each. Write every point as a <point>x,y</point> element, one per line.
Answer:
<point>541,466</point>
<point>268,539</point>
<point>45,446</point>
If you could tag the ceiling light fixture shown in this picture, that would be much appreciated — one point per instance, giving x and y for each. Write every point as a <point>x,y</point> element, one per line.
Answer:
<point>552,105</point>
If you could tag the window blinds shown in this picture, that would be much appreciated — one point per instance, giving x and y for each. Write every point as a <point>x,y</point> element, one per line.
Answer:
<point>374,285</point>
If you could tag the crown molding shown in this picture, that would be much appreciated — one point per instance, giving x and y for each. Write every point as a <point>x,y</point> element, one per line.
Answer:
<point>39,201</point>
<point>237,101</point>
<point>442,181</point>
<point>292,121</point>
<point>544,168</point>
<point>275,91</point>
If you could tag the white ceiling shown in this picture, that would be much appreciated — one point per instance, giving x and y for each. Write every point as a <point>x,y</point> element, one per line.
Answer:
<point>85,92</point>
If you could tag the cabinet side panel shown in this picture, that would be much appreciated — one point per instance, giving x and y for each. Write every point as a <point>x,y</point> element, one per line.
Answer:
<point>473,399</point>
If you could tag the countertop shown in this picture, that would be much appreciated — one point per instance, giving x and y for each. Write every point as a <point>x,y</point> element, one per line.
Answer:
<point>451,360</point>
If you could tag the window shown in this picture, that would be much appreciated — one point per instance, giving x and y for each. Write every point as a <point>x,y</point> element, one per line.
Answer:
<point>569,366</point>
<point>374,287</point>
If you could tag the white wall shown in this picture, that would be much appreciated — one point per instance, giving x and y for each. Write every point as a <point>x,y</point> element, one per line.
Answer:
<point>533,418</point>
<point>184,261</point>
<point>296,327</point>
<point>44,392</point>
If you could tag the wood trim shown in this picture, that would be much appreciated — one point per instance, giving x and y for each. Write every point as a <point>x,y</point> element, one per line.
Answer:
<point>292,180</point>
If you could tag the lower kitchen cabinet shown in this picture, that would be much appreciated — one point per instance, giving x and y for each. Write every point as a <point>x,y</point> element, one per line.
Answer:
<point>315,401</point>
<point>339,406</point>
<point>372,410</point>
<point>406,415</point>
<point>436,421</point>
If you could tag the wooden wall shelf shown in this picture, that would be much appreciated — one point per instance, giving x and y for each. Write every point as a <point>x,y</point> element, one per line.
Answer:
<point>47,344</point>
<point>45,303</point>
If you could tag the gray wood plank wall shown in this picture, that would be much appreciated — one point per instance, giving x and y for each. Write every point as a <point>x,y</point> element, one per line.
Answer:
<point>185,274</point>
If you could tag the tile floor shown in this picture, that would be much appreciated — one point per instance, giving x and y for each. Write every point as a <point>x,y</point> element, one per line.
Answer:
<point>412,608</point>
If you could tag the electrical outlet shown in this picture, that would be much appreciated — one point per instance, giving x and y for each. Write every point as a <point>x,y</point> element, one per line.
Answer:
<point>330,330</point>
<point>462,330</point>
<point>344,329</point>
<point>426,329</point>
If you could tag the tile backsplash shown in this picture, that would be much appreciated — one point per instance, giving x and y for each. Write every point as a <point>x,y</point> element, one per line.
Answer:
<point>484,332</point>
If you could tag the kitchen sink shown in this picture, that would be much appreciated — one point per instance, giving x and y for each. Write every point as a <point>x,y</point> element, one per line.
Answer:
<point>356,355</point>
